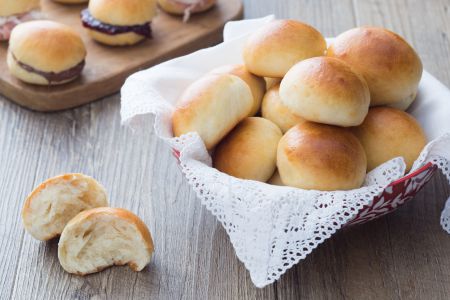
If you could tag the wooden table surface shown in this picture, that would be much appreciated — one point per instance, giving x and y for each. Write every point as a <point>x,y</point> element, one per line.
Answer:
<point>405,255</point>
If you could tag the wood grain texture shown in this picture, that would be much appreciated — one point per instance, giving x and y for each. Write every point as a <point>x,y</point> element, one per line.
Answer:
<point>401,256</point>
<point>108,67</point>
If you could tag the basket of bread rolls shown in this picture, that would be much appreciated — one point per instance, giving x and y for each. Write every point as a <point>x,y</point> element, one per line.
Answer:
<point>287,136</point>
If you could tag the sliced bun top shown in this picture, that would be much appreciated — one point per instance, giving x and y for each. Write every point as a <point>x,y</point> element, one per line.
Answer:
<point>47,46</point>
<point>13,7</point>
<point>389,64</point>
<point>276,47</point>
<point>123,12</point>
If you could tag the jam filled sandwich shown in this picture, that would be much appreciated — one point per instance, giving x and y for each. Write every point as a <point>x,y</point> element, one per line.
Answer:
<point>119,22</point>
<point>15,12</point>
<point>45,53</point>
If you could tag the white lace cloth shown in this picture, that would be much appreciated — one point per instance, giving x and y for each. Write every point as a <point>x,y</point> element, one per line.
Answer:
<point>270,227</point>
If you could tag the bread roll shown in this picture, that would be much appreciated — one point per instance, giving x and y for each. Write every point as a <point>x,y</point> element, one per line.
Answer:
<point>179,7</point>
<point>98,238</point>
<point>274,110</point>
<point>326,90</point>
<point>276,47</point>
<point>388,133</point>
<point>212,106</point>
<point>276,179</point>
<point>15,7</point>
<point>257,84</point>
<point>250,150</point>
<point>315,156</point>
<point>57,200</point>
<point>389,64</point>
<point>119,22</point>
<point>45,52</point>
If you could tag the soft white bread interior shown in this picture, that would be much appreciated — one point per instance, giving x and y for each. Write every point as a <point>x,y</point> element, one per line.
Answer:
<point>123,12</point>
<point>47,46</point>
<point>13,7</point>
<point>316,156</point>
<point>54,202</point>
<point>389,64</point>
<point>178,7</point>
<point>326,90</point>
<point>277,46</point>
<point>103,237</point>
<point>274,110</point>
<point>387,133</point>
<point>212,106</point>
<point>257,84</point>
<point>250,150</point>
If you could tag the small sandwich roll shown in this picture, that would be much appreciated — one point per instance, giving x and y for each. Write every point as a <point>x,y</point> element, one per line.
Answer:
<point>274,110</point>
<point>388,133</point>
<point>54,202</point>
<point>257,84</point>
<point>45,53</point>
<point>119,22</point>
<point>389,64</point>
<point>250,150</point>
<point>326,90</point>
<point>212,106</point>
<point>186,7</point>
<point>321,157</point>
<point>276,47</point>
<point>102,237</point>
<point>17,7</point>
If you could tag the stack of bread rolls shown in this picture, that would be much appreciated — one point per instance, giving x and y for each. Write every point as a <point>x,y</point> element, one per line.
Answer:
<point>301,114</point>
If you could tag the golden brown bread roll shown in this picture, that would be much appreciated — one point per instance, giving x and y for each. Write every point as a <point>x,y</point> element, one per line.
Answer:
<point>389,64</point>
<point>249,151</point>
<point>257,84</point>
<point>101,237</point>
<point>388,133</point>
<point>45,52</point>
<point>15,7</point>
<point>54,202</point>
<point>179,7</point>
<point>315,156</point>
<point>274,110</point>
<point>276,47</point>
<point>326,90</point>
<point>212,106</point>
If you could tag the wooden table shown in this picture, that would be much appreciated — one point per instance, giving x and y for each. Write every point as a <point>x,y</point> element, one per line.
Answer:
<point>403,255</point>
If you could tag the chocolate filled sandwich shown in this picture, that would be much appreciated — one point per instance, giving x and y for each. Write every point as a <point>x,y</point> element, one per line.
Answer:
<point>119,22</point>
<point>15,12</point>
<point>45,53</point>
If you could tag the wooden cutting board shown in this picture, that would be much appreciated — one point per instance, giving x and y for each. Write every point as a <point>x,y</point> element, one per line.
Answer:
<point>108,67</point>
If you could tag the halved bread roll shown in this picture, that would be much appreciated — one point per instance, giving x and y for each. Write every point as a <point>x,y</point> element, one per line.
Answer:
<point>57,200</point>
<point>103,237</point>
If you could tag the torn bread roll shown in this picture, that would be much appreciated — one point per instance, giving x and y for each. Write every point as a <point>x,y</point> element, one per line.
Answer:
<point>389,64</point>
<point>102,237</point>
<point>250,150</point>
<point>45,53</point>
<point>54,202</point>
<point>274,110</point>
<point>119,22</point>
<point>387,133</point>
<point>326,90</point>
<point>315,156</point>
<point>212,106</point>
<point>15,12</point>
<point>257,84</point>
<point>277,46</point>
